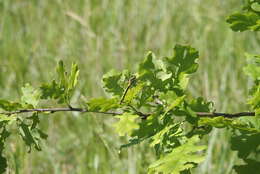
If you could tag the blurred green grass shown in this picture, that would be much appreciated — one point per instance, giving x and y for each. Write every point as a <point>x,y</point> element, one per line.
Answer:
<point>103,34</point>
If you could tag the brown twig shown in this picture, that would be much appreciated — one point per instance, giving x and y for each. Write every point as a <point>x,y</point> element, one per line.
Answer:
<point>130,83</point>
<point>227,115</point>
<point>143,115</point>
<point>52,110</point>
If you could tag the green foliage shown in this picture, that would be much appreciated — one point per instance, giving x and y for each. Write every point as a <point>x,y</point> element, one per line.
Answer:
<point>126,124</point>
<point>247,146</point>
<point>28,127</point>
<point>151,105</point>
<point>30,96</point>
<point>249,19</point>
<point>251,167</point>
<point>63,89</point>
<point>246,140</point>
<point>3,135</point>
<point>181,158</point>
<point>111,82</point>
<point>9,106</point>
<point>102,104</point>
<point>253,71</point>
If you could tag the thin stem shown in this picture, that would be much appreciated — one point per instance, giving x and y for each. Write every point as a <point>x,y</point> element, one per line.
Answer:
<point>130,83</point>
<point>143,115</point>
<point>227,115</point>
<point>52,110</point>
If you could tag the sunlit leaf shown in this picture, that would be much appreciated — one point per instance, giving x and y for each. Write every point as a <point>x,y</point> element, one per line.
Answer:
<point>30,95</point>
<point>133,92</point>
<point>181,158</point>
<point>127,124</point>
<point>73,78</point>
<point>102,104</point>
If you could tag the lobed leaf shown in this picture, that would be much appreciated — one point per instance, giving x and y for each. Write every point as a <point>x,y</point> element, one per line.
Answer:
<point>52,91</point>
<point>179,159</point>
<point>31,136</point>
<point>30,96</point>
<point>63,89</point>
<point>102,104</point>
<point>111,83</point>
<point>133,93</point>
<point>248,19</point>
<point>182,63</point>
<point>127,124</point>
<point>167,138</point>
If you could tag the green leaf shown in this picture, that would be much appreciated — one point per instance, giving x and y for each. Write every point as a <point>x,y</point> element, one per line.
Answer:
<point>147,64</point>
<point>182,63</point>
<point>254,101</point>
<point>165,133</point>
<point>3,163</point>
<point>63,89</point>
<point>31,137</point>
<point>253,67</point>
<point>8,119</point>
<point>73,78</point>
<point>183,60</point>
<point>246,144</point>
<point>35,120</point>
<point>242,21</point>
<point>61,74</point>
<point>127,124</point>
<point>132,142</point>
<point>148,127</point>
<point>4,134</point>
<point>200,105</point>
<point>167,138</point>
<point>111,83</point>
<point>181,158</point>
<point>147,73</point>
<point>218,122</point>
<point>253,70</point>
<point>102,104</point>
<point>251,167</point>
<point>256,6</point>
<point>9,106</point>
<point>176,103</point>
<point>196,105</point>
<point>222,122</point>
<point>52,91</point>
<point>133,92</point>
<point>30,95</point>
<point>251,122</point>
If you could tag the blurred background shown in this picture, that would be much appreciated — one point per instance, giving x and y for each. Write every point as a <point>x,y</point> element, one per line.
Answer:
<point>103,34</point>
